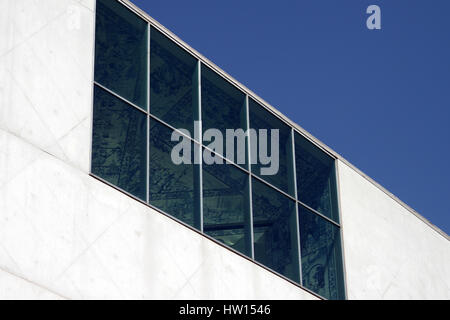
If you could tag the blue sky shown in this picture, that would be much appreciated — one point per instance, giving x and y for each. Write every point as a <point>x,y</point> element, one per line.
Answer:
<point>380,98</point>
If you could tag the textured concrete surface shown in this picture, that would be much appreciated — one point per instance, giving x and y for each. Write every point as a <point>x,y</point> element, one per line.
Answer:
<point>64,234</point>
<point>390,253</point>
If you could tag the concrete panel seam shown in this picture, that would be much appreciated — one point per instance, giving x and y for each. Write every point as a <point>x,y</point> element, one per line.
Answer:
<point>34,284</point>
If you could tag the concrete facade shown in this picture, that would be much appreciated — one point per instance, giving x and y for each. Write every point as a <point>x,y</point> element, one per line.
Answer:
<point>390,253</point>
<point>66,235</point>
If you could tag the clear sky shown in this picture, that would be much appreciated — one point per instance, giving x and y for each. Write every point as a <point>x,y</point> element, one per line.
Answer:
<point>380,98</point>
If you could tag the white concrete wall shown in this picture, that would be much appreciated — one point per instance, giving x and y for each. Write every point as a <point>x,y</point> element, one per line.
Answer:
<point>13,287</point>
<point>64,234</point>
<point>66,231</point>
<point>46,58</point>
<point>390,253</point>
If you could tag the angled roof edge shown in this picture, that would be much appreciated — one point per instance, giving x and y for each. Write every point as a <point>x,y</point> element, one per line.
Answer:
<point>257,98</point>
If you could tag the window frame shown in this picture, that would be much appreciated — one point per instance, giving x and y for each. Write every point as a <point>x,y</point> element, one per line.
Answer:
<point>294,129</point>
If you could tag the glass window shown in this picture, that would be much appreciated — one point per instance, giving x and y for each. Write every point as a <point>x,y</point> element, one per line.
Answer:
<point>173,83</point>
<point>321,255</point>
<point>260,118</point>
<point>121,52</point>
<point>119,147</point>
<point>171,185</point>
<point>223,107</point>
<point>226,207</point>
<point>214,196</point>
<point>275,230</point>
<point>316,181</point>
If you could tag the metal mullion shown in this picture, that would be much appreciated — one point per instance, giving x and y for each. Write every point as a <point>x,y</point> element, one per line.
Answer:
<point>198,143</point>
<point>272,186</point>
<point>319,214</point>
<point>200,134</point>
<point>315,144</point>
<point>148,159</point>
<point>250,189</point>
<point>292,198</point>
<point>91,136</point>
<point>341,231</point>
<point>297,218</point>
<point>225,159</point>
<point>148,67</point>
<point>172,128</point>
<point>148,112</point>
<point>119,97</point>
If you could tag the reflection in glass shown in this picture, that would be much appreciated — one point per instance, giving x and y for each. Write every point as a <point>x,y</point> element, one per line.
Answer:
<point>223,107</point>
<point>172,84</point>
<point>316,182</point>
<point>121,52</point>
<point>119,143</point>
<point>226,210</point>
<point>275,230</point>
<point>171,186</point>
<point>321,255</point>
<point>260,118</point>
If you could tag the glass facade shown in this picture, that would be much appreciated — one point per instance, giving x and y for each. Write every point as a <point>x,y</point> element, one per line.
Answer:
<point>321,255</point>
<point>171,186</point>
<point>173,90</point>
<point>121,52</point>
<point>226,206</point>
<point>261,119</point>
<point>223,107</point>
<point>275,230</point>
<point>119,147</point>
<point>316,178</point>
<point>149,94</point>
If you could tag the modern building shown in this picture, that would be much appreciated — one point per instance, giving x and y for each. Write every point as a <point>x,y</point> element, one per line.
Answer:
<point>92,205</point>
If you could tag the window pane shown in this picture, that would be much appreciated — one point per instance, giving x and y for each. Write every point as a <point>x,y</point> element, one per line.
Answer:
<point>119,143</point>
<point>226,210</point>
<point>275,230</point>
<point>316,182</point>
<point>172,86</point>
<point>321,255</point>
<point>121,52</point>
<point>171,185</point>
<point>263,119</point>
<point>223,107</point>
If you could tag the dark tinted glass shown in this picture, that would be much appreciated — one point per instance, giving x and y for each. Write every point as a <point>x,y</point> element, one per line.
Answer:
<point>226,210</point>
<point>321,255</point>
<point>316,182</point>
<point>173,86</point>
<point>275,230</point>
<point>171,185</point>
<point>223,107</point>
<point>263,119</point>
<point>121,51</point>
<point>119,143</point>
